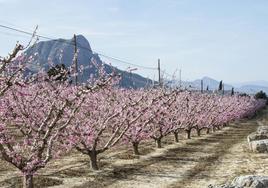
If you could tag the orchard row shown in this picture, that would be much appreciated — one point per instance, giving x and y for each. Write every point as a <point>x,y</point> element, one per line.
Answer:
<point>42,118</point>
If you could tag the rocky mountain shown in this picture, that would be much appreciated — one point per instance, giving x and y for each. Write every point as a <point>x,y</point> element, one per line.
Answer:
<point>47,54</point>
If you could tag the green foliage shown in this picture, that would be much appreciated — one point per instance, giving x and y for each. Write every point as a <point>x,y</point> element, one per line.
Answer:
<point>220,86</point>
<point>58,73</point>
<point>261,95</point>
<point>243,95</point>
<point>232,92</point>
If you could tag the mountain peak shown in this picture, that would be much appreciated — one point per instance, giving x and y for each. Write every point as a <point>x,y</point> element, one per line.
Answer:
<point>61,51</point>
<point>82,42</point>
<point>208,78</point>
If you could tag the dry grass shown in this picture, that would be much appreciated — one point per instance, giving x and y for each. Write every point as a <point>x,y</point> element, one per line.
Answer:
<point>194,163</point>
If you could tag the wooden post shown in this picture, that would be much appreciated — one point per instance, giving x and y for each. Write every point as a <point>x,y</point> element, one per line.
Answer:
<point>159,74</point>
<point>201,86</point>
<point>180,79</point>
<point>75,61</point>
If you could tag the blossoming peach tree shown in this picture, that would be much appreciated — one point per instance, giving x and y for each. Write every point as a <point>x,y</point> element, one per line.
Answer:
<point>34,113</point>
<point>42,117</point>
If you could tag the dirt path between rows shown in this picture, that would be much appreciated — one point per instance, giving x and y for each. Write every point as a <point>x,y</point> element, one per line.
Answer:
<point>195,163</point>
<point>199,162</point>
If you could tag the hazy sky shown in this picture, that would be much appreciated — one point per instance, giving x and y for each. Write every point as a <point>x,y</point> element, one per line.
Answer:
<point>223,39</point>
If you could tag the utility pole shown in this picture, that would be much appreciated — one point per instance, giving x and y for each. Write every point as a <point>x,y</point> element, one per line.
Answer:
<point>202,86</point>
<point>180,78</point>
<point>75,61</point>
<point>153,81</point>
<point>159,74</point>
<point>131,76</point>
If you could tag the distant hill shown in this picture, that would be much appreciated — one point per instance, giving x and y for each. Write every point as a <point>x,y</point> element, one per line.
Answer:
<point>210,83</point>
<point>247,87</point>
<point>62,52</point>
<point>252,89</point>
<point>261,83</point>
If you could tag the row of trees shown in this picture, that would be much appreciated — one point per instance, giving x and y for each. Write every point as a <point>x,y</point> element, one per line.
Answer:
<point>42,117</point>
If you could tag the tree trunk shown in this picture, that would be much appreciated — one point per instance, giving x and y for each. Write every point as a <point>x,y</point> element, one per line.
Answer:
<point>176,137</point>
<point>198,132</point>
<point>136,148</point>
<point>188,134</point>
<point>208,130</point>
<point>214,129</point>
<point>158,143</point>
<point>28,181</point>
<point>93,160</point>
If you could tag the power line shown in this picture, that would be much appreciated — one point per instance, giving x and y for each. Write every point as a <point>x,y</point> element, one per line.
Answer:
<point>12,34</point>
<point>23,31</point>
<point>167,74</point>
<point>71,43</point>
<point>125,62</point>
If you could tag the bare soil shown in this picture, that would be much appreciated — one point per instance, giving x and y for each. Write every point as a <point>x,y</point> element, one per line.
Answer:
<point>196,163</point>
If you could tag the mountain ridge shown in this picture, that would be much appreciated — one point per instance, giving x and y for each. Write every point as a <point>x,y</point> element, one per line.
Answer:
<point>61,51</point>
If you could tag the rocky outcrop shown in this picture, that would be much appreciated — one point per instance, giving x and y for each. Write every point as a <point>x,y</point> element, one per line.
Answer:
<point>262,130</point>
<point>46,54</point>
<point>258,141</point>
<point>249,181</point>
<point>259,146</point>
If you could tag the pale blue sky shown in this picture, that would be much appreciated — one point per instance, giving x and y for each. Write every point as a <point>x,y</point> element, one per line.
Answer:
<point>223,39</point>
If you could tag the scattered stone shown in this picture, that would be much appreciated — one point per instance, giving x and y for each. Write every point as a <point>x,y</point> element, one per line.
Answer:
<point>259,146</point>
<point>262,130</point>
<point>249,181</point>
<point>258,141</point>
<point>255,136</point>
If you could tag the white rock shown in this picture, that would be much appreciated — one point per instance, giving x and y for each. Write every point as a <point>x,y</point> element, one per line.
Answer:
<point>262,130</point>
<point>250,181</point>
<point>258,141</point>
<point>260,146</point>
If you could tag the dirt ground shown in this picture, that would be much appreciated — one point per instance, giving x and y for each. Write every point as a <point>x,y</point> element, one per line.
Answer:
<point>195,163</point>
